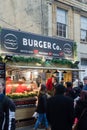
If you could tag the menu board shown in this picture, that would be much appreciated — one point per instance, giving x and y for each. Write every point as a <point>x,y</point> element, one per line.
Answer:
<point>2,73</point>
<point>2,70</point>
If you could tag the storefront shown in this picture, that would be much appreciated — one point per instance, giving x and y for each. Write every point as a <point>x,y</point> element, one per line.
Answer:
<point>29,60</point>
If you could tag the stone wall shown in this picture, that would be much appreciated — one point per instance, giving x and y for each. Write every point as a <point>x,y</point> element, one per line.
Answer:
<point>26,15</point>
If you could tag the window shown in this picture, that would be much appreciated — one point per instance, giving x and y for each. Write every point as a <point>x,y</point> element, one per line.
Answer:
<point>61,22</point>
<point>84,61</point>
<point>83,29</point>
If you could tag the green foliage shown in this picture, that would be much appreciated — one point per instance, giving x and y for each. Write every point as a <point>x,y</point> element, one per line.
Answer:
<point>26,59</point>
<point>33,60</point>
<point>62,61</point>
<point>75,50</point>
<point>18,96</point>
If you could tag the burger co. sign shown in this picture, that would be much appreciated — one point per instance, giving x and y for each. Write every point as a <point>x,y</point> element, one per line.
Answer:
<point>27,43</point>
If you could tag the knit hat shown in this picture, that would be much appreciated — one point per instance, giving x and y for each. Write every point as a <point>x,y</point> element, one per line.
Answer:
<point>85,78</point>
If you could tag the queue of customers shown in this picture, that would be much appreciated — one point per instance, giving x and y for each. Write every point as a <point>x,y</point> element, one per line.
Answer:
<point>64,108</point>
<point>58,107</point>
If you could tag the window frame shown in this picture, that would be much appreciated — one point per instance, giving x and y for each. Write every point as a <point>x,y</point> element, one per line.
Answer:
<point>83,29</point>
<point>84,61</point>
<point>62,25</point>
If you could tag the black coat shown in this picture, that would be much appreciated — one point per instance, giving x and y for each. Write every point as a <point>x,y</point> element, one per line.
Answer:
<point>60,112</point>
<point>80,106</point>
<point>42,102</point>
<point>7,113</point>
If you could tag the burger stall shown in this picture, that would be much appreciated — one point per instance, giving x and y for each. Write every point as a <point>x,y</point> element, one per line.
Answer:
<point>29,60</point>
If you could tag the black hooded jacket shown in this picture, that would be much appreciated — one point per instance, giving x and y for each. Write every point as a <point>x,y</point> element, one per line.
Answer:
<point>7,113</point>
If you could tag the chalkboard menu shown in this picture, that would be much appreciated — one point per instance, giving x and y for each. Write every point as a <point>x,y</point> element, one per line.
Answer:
<point>2,70</point>
<point>2,74</point>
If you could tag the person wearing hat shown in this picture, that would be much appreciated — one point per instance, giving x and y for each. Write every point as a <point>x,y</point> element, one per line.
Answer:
<point>7,111</point>
<point>60,110</point>
<point>85,83</point>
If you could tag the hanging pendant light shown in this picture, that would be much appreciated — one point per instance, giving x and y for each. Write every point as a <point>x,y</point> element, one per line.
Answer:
<point>48,71</point>
<point>64,72</point>
<point>56,72</point>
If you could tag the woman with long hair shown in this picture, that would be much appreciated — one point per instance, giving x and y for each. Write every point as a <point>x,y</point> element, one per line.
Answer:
<point>41,108</point>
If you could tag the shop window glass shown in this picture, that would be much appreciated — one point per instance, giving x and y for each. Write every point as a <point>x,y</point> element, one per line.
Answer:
<point>83,29</point>
<point>61,22</point>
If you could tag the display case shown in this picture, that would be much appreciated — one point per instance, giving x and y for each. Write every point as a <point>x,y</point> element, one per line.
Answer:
<point>23,89</point>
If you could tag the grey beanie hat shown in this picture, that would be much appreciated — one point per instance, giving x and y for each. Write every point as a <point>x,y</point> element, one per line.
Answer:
<point>85,78</point>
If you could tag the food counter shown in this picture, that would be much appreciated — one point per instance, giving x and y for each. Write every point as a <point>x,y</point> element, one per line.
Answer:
<point>24,96</point>
<point>25,107</point>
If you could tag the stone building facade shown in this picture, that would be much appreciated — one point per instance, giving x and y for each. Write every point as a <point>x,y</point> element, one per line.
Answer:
<point>76,23</point>
<point>57,18</point>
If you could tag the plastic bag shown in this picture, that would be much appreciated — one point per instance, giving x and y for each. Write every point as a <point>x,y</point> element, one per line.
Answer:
<point>35,115</point>
<point>74,127</point>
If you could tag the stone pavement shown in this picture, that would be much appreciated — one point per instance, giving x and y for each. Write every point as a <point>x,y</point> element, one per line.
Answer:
<point>25,128</point>
<point>28,128</point>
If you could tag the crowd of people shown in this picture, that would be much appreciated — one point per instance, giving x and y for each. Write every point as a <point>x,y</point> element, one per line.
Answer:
<point>59,107</point>
<point>65,107</point>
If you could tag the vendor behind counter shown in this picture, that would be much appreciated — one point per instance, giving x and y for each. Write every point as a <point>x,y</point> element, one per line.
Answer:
<point>19,87</point>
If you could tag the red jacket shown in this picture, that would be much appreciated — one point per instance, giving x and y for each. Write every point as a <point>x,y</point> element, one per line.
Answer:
<point>49,84</point>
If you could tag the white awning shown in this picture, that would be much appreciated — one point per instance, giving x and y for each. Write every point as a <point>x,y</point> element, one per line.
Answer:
<point>45,68</point>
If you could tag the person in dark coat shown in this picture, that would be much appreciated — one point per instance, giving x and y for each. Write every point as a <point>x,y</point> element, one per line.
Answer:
<point>7,111</point>
<point>77,90</point>
<point>69,91</point>
<point>85,83</point>
<point>81,107</point>
<point>41,108</point>
<point>60,110</point>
